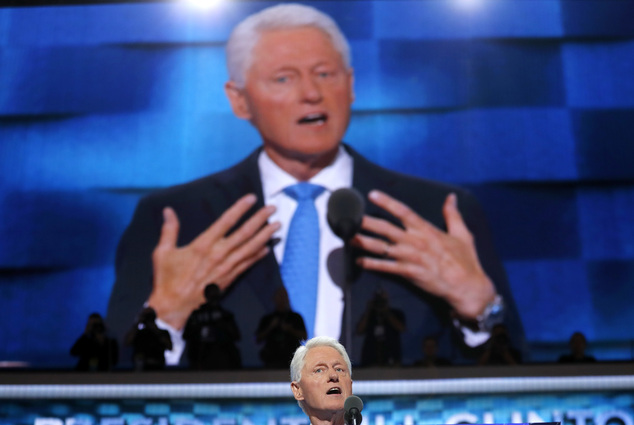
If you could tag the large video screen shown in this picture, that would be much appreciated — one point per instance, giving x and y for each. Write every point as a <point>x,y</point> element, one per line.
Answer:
<point>529,105</point>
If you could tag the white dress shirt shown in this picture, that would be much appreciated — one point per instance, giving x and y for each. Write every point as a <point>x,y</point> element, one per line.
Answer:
<point>330,300</point>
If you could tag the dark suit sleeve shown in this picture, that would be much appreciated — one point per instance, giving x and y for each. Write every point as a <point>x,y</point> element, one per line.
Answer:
<point>478,225</point>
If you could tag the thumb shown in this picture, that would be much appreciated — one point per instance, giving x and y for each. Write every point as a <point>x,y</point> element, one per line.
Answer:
<point>455,224</point>
<point>169,230</point>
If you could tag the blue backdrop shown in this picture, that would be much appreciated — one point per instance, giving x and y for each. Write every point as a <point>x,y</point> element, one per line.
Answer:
<point>529,104</point>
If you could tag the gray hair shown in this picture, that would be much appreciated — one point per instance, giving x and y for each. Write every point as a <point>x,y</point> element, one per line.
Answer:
<point>247,33</point>
<point>299,358</point>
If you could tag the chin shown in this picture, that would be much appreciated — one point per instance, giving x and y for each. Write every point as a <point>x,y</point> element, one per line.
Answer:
<point>309,151</point>
<point>336,402</point>
<point>318,148</point>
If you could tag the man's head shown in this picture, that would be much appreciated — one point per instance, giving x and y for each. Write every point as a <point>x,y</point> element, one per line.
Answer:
<point>578,344</point>
<point>147,316</point>
<point>212,293</point>
<point>321,376</point>
<point>290,76</point>
<point>96,323</point>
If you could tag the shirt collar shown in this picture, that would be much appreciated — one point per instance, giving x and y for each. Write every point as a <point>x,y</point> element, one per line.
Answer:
<point>335,176</point>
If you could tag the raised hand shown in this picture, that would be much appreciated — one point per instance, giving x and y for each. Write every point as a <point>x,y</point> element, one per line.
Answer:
<point>181,273</point>
<point>444,264</point>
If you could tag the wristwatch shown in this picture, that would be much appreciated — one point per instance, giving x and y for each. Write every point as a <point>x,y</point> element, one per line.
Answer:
<point>492,315</point>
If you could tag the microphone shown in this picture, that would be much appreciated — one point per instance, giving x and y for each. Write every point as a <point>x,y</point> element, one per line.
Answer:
<point>345,212</point>
<point>352,410</point>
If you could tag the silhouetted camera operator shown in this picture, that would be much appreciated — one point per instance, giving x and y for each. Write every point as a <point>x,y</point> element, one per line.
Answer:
<point>95,349</point>
<point>148,342</point>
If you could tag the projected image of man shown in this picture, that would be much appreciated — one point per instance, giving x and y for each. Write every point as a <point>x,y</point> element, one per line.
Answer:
<point>424,242</point>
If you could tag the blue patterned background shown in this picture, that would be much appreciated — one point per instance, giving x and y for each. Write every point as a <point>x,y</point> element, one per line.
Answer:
<point>529,104</point>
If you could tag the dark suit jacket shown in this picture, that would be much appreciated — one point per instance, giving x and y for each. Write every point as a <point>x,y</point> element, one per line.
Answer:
<point>199,203</point>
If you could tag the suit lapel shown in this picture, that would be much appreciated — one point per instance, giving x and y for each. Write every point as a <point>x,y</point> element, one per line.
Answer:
<point>264,276</point>
<point>236,182</point>
<point>367,176</point>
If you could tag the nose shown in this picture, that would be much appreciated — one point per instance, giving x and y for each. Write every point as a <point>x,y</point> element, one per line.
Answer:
<point>333,376</point>
<point>310,90</point>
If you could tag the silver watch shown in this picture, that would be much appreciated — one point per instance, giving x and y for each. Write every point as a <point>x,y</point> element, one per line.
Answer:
<point>492,315</point>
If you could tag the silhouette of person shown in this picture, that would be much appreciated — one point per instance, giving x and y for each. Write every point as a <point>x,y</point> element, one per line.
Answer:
<point>578,344</point>
<point>211,334</point>
<point>148,342</point>
<point>281,331</point>
<point>430,357</point>
<point>498,350</point>
<point>382,327</point>
<point>95,348</point>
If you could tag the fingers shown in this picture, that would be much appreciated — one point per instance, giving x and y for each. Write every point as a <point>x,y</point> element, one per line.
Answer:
<point>250,228</point>
<point>227,220</point>
<point>406,269</point>
<point>415,230</point>
<point>455,223</point>
<point>382,227</point>
<point>169,230</point>
<point>392,258</point>
<point>392,235</point>
<point>442,263</point>
<point>245,253</point>
<point>241,267</point>
<point>226,257</point>
<point>410,220</point>
<point>379,247</point>
<point>405,214</point>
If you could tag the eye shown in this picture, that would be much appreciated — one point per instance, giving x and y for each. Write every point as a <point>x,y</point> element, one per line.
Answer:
<point>325,74</point>
<point>282,79</point>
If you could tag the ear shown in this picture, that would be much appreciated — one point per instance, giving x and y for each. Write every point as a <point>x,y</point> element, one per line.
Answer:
<point>297,391</point>
<point>237,99</point>
<point>351,84</point>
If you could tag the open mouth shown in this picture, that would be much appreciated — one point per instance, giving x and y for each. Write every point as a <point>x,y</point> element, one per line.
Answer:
<point>313,119</point>
<point>334,390</point>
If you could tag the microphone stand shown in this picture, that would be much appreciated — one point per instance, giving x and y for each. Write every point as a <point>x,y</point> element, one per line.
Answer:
<point>351,274</point>
<point>344,215</point>
<point>352,416</point>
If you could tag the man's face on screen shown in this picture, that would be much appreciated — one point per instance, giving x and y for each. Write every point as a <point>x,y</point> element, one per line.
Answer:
<point>325,382</point>
<point>297,94</point>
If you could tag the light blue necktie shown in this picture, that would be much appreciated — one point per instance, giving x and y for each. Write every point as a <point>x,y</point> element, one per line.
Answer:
<point>300,266</point>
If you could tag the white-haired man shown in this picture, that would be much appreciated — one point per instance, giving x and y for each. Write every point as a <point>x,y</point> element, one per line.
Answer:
<point>321,380</point>
<point>291,78</point>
